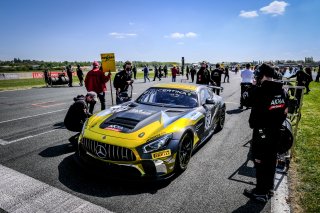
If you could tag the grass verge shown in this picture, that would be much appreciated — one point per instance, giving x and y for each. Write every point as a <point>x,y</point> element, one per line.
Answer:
<point>305,183</point>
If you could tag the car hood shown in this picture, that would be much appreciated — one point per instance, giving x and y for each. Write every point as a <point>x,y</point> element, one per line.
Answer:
<point>133,121</point>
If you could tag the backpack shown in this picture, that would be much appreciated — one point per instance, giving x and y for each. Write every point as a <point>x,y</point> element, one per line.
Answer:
<point>286,137</point>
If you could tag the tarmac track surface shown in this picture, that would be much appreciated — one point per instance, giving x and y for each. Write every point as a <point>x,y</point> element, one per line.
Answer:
<point>34,142</point>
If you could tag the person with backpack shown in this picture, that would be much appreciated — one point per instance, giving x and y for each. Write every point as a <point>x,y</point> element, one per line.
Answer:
<point>269,111</point>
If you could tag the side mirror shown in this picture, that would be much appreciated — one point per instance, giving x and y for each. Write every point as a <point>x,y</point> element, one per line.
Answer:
<point>210,101</point>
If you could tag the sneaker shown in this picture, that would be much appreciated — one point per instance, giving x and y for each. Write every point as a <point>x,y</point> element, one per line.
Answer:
<point>240,107</point>
<point>270,193</point>
<point>263,198</point>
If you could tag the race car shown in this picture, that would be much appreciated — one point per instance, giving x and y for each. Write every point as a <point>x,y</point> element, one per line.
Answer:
<point>155,135</point>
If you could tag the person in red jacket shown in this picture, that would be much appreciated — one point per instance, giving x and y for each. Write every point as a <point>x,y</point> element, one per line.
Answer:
<point>174,73</point>
<point>96,81</point>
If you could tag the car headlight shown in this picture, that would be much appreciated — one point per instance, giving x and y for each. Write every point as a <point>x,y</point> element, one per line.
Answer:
<point>157,143</point>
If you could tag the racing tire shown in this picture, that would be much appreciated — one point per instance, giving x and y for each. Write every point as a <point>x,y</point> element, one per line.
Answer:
<point>184,153</point>
<point>222,118</point>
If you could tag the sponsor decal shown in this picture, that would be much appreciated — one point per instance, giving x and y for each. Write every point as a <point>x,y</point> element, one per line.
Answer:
<point>141,134</point>
<point>141,112</point>
<point>116,128</point>
<point>161,154</point>
<point>194,115</point>
<point>207,120</point>
<point>277,102</point>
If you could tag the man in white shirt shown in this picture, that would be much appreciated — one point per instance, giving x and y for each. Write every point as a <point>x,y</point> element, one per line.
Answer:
<point>246,83</point>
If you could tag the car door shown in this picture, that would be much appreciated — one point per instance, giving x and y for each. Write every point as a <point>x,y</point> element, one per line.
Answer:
<point>208,110</point>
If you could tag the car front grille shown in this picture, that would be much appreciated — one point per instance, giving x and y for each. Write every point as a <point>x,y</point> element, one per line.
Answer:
<point>107,151</point>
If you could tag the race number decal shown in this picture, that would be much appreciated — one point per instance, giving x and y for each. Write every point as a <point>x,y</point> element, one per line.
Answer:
<point>207,121</point>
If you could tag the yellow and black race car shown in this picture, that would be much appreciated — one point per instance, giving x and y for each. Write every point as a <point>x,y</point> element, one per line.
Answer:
<point>154,135</point>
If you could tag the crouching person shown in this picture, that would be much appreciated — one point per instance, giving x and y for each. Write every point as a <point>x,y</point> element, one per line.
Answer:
<point>78,113</point>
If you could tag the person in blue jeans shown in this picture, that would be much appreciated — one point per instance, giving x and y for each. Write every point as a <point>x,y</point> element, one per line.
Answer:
<point>146,73</point>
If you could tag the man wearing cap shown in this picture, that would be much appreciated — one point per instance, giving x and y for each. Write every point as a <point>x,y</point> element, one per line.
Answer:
<point>122,80</point>
<point>78,111</point>
<point>96,81</point>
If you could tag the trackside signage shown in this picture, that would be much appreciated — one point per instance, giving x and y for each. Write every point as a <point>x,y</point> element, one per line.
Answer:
<point>53,74</point>
<point>108,62</point>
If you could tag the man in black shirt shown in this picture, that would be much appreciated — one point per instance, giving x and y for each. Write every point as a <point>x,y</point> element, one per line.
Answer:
<point>121,82</point>
<point>79,111</point>
<point>269,110</point>
<point>216,77</point>
<point>203,75</point>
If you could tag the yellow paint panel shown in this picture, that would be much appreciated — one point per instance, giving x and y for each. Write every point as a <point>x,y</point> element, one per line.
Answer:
<point>177,86</point>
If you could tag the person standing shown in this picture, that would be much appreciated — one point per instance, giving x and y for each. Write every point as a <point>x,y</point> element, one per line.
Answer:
<point>309,78</point>
<point>269,110</point>
<point>146,73</point>
<point>318,75</point>
<point>174,72</point>
<point>122,81</point>
<point>203,75</point>
<point>246,82</point>
<point>134,70</point>
<point>156,73</point>
<point>216,77</point>
<point>96,81</point>
<point>226,74</point>
<point>165,70</point>
<point>80,75</point>
<point>69,73</point>
<point>187,72</point>
<point>193,71</point>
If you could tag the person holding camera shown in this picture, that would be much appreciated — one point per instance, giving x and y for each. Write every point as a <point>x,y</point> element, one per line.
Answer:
<point>269,111</point>
<point>121,82</point>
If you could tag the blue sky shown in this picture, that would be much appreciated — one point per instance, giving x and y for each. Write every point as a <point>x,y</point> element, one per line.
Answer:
<point>160,30</point>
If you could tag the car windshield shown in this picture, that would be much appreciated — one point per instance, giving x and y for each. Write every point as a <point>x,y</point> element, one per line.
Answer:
<point>169,97</point>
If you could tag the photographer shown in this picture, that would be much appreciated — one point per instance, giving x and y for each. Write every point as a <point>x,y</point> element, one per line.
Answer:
<point>269,110</point>
<point>121,82</point>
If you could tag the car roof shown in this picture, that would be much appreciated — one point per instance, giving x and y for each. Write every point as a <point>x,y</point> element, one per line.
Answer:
<point>182,86</point>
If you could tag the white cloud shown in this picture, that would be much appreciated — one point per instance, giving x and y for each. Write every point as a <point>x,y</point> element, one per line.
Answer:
<point>191,35</point>
<point>180,43</point>
<point>122,35</point>
<point>275,8</point>
<point>248,14</point>
<point>182,35</point>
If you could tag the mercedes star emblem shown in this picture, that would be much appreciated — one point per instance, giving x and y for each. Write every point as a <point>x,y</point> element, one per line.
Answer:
<point>101,151</point>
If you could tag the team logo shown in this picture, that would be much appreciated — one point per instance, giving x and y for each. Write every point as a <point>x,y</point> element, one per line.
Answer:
<point>101,152</point>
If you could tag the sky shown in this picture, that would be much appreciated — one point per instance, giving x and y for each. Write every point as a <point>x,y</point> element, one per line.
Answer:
<point>160,30</point>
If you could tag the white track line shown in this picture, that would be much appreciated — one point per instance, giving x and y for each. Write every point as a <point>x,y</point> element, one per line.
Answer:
<point>30,116</point>
<point>3,142</point>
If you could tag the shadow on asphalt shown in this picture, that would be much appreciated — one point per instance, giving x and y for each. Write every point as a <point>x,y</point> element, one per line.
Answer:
<point>234,111</point>
<point>251,206</point>
<point>57,150</point>
<point>245,170</point>
<point>88,182</point>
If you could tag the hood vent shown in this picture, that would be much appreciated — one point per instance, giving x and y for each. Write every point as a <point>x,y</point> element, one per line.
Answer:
<point>124,122</point>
